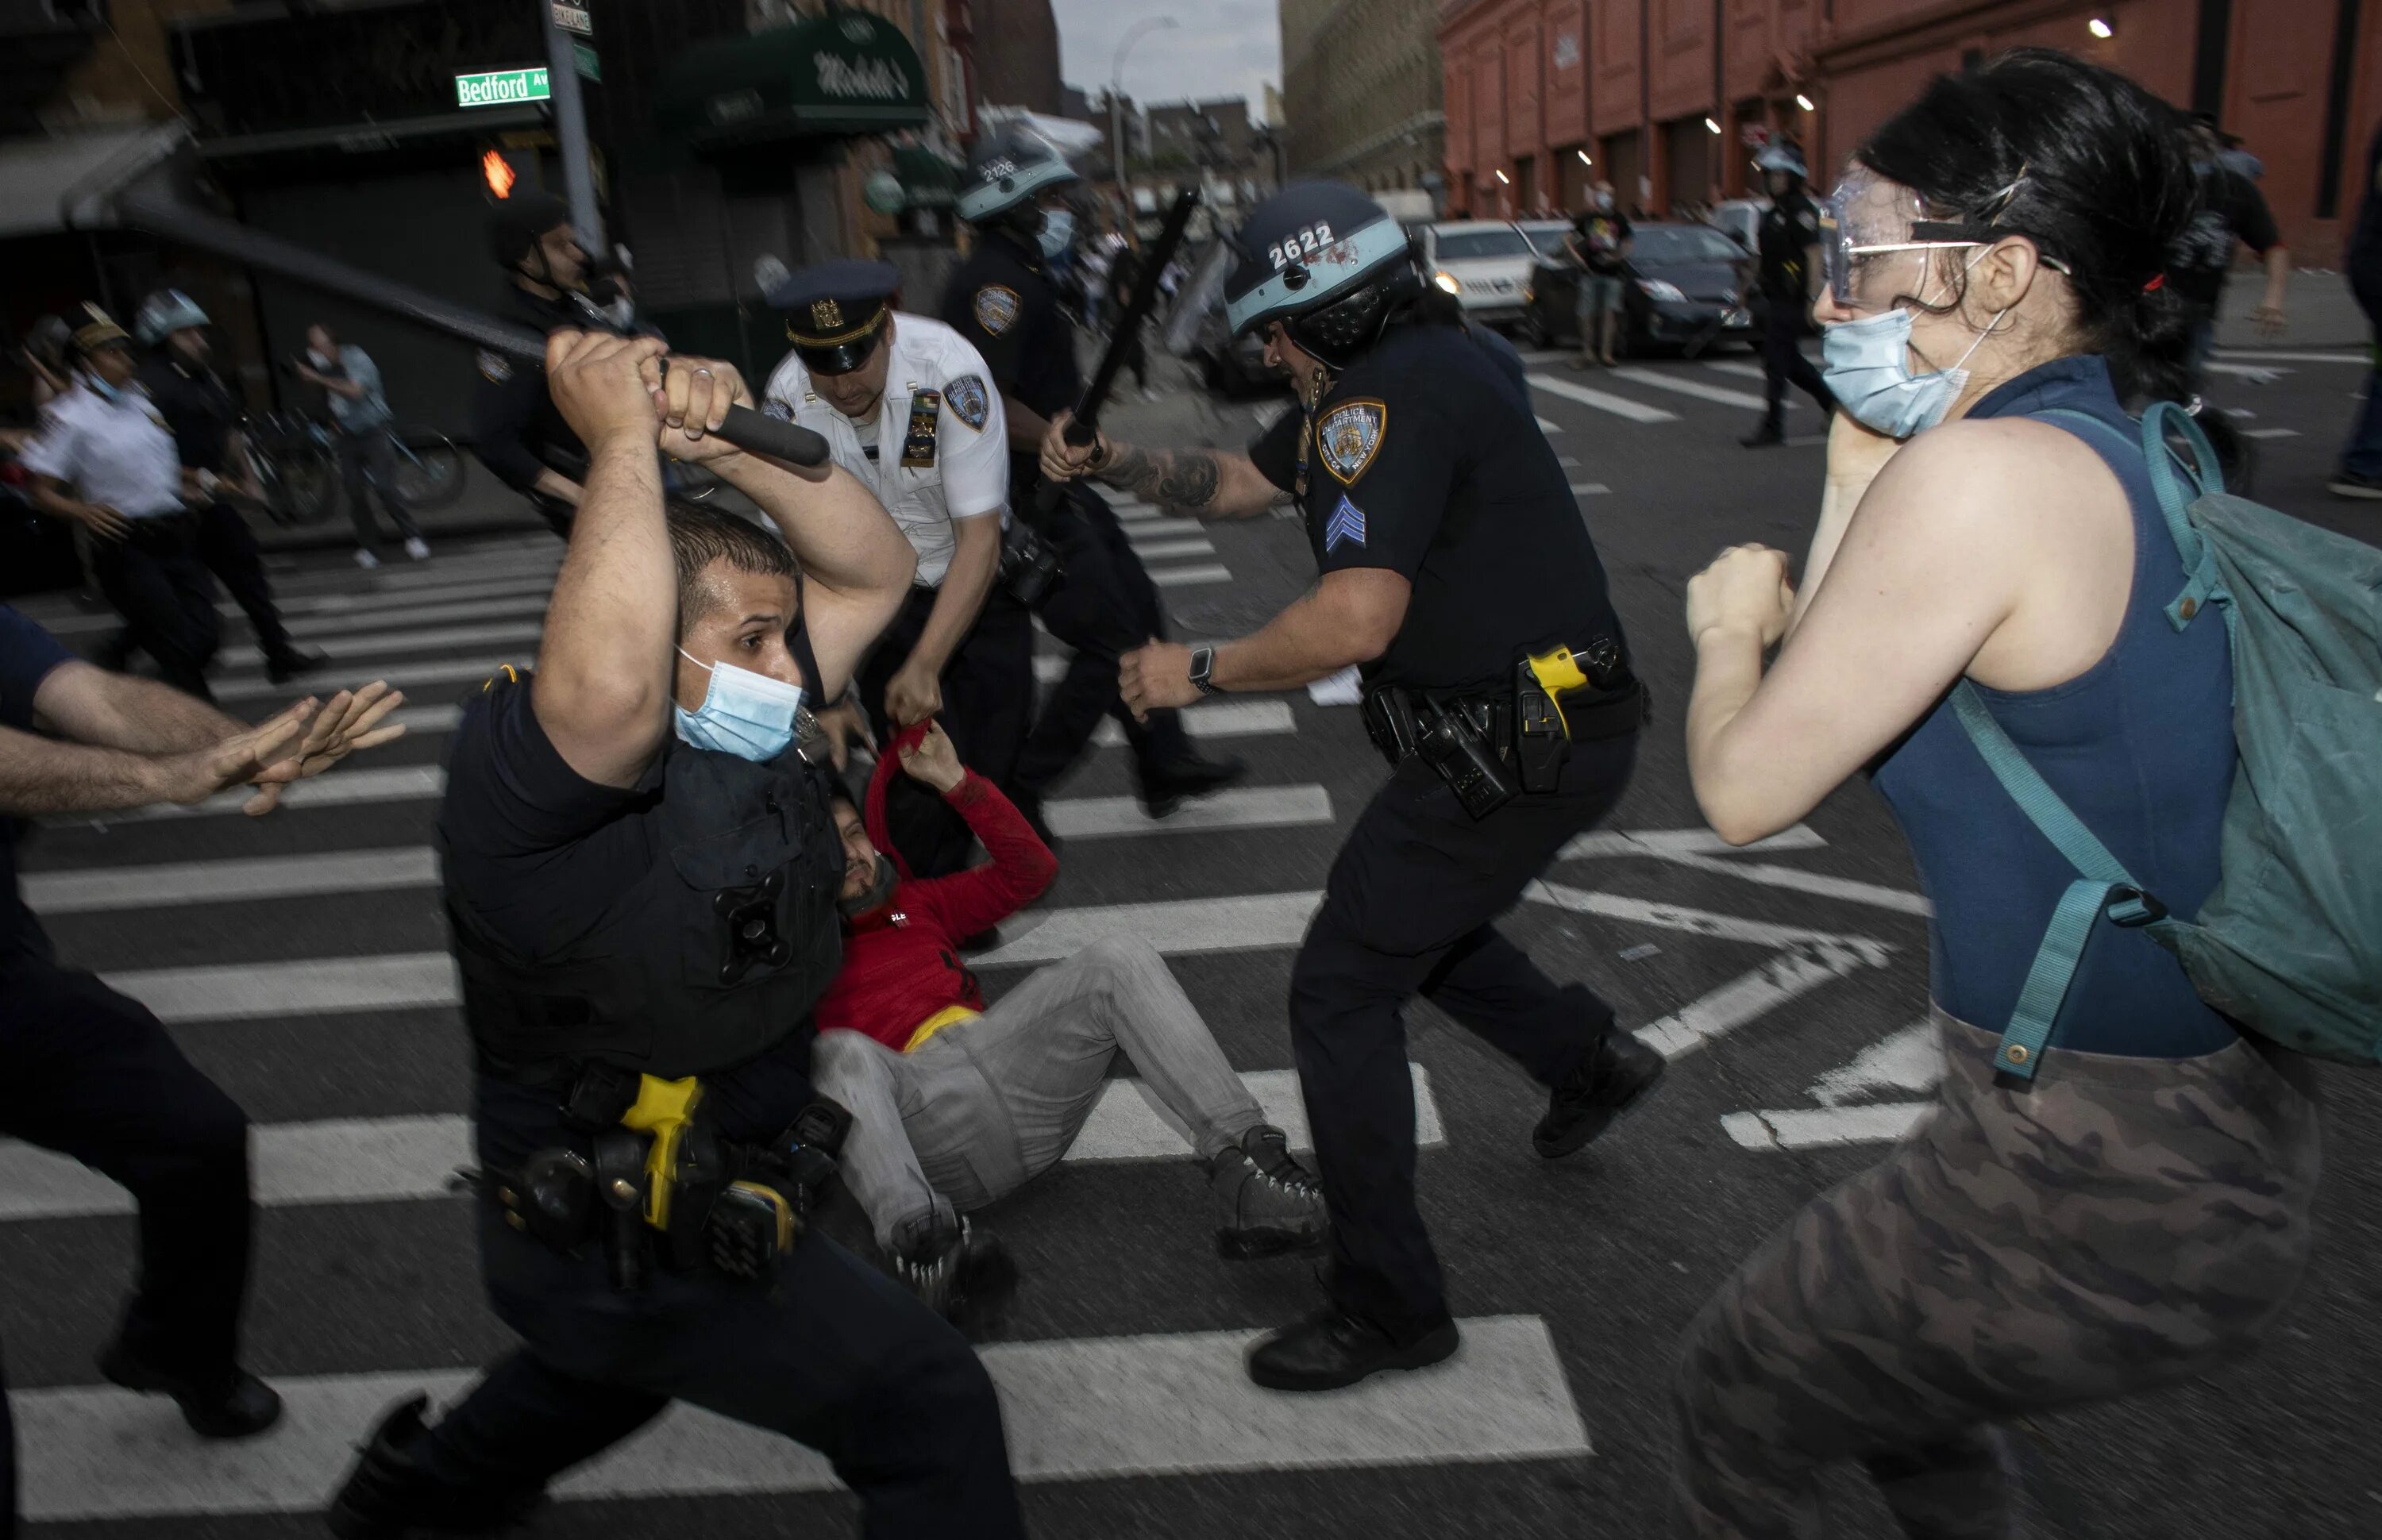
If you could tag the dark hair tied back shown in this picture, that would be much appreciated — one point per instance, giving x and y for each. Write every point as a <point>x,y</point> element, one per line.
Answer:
<point>2103,183</point>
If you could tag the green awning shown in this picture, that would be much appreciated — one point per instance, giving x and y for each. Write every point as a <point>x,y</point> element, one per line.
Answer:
<point>931,181</point>
<point>844,73</point>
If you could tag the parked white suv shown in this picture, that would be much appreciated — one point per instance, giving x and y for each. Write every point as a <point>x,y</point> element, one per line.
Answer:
<point>1484,263</point>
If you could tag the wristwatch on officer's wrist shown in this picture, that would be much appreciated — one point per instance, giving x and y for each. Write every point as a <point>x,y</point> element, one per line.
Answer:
<point>1203,660</point>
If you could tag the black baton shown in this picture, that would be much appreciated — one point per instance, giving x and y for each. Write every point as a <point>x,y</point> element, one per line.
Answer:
<point>1083,429</point>
<point>163,213</point>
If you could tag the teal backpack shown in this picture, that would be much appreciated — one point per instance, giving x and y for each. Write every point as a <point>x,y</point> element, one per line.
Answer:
<point>2290,944</point>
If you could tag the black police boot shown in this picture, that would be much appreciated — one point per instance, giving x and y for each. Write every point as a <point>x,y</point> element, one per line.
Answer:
<point>1765,437</point>
<point>287,664</point>
<point>963,1273</point>
<point>1603,1085</point>
<point>1271,1204</point>
<point>388,1496</point>
<point>1332,1348</point>
<point>1163,787</point>
<point>234,1404</point>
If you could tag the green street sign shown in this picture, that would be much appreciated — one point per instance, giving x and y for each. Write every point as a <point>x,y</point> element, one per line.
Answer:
<point>590,68</point>
<point>500,88</point>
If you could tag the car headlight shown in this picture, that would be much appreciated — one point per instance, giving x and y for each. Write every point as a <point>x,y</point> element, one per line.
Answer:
<point>1447,281</point>
<point>1657,290</point>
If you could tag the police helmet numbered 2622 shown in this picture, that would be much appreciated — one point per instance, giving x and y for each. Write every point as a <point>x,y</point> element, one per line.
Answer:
<point>1327,262</point>
<point>1009,172</point>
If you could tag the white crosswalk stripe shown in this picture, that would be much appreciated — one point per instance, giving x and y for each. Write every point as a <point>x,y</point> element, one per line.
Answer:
<point>1679,385</point>
<point>1619,406</point>
<point>1190,577</point>
<point>374,644</point>
<point>368,1160</point>
<point>1075,1409</point>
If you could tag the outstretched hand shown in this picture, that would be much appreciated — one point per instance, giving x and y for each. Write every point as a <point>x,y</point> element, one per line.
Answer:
<point>293,746</point>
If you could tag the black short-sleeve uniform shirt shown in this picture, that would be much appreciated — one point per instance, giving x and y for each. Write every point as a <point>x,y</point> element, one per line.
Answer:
<point>198,409</point>
<point>1599,234</point>
<point>2231,208</point>
<point>516,429</point>
<point>1426,459</point>
<point>540,854</point>
<point>28,655</point>
<point>1003,301</point>
<point>1789,229</point>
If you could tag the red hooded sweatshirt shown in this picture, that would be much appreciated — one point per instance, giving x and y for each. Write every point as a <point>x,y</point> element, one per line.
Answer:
<point>902,959</point>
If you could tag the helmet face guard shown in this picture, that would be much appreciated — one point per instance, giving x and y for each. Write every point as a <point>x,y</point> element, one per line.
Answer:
<point>1307,278</point>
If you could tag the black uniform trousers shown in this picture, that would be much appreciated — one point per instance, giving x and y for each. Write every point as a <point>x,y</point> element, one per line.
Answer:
<point>837,1357</point>
<point>227,549</point>
<point>1105,607</point>
<point>1410,908</point>
<point>1782,364</point>
<point>987,703</point>
<point>155,579</point>
<point>91,1074</point>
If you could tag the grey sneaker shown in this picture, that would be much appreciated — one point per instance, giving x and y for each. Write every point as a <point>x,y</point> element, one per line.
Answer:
<point>1271,1204</point>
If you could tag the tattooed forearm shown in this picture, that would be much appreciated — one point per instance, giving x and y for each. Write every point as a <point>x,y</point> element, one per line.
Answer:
<point>1184,479</point>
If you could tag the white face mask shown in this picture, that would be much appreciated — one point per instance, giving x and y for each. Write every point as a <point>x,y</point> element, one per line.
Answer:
<point>743,713</point>
<point>320,361</point>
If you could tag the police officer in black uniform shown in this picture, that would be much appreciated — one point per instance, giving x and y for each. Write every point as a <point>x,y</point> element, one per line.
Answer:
<point>1003,301</point>
<point>641,874</point>
<point>200,413</point>
<point>1790,231</point>
<point>1457,573</point>
<point>516,429</point>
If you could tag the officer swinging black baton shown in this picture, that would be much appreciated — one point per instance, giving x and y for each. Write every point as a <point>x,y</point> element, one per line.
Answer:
<point>1082,430</point>
<point>154,201</point>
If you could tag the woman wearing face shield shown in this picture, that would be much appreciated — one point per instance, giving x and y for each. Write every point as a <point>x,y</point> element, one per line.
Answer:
<point>2134,1208</point>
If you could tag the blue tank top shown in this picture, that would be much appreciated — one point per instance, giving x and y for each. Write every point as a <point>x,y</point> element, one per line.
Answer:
<point>2139,745</point>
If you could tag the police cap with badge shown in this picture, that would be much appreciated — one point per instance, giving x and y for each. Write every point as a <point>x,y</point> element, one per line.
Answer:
<point>836,312</point>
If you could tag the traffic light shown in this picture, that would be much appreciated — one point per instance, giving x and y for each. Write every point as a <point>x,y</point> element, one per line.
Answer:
<point>498,172</point>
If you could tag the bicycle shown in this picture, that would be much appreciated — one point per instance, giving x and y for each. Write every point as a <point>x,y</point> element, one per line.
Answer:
<point>295,461</point>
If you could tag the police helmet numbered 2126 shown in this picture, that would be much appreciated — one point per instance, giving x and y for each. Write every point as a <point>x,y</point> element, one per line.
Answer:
<point>1008,172</point>
<point>165,313</point>
<point>1327,263</point>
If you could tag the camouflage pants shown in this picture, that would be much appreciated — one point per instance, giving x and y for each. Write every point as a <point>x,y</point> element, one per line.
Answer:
<point>2124,1222</point>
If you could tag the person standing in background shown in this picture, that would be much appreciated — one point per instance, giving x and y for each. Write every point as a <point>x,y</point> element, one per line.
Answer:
<point>2360,459</point>
<point>367,455</point>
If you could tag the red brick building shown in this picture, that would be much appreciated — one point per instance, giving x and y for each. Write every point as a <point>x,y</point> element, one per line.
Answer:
<point>1659,95</point>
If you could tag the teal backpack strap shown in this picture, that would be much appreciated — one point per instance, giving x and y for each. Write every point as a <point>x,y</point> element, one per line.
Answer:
<point>2178,485</point>
<point>2104,887</point>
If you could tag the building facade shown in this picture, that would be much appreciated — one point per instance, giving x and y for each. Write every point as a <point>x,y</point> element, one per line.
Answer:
<point>1017,56</point>
<point>1665,99</point>
<point>1360,92</point>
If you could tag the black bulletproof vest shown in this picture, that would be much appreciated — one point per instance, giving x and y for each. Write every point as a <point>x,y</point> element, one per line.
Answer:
<point>713,955</point>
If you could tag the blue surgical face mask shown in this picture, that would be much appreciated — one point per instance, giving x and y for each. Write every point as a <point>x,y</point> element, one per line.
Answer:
<point>1868,368</point>
<point>101,388</point>
<point>744,713</point>
<point>1057,231</point>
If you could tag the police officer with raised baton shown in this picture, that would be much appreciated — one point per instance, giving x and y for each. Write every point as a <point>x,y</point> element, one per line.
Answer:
<point>907,407</point>
<point>1001,300</point>
<point>640,872</point>
<point>1457,572</point>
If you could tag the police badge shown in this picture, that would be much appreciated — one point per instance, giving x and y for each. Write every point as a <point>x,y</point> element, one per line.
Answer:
<point>966,398</point>
<point>827,317</point>
<point>996,309</point>
<point>1349,435</point>
<point>495,367</point>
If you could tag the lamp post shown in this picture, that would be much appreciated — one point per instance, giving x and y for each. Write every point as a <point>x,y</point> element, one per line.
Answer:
<point>1116,87</point>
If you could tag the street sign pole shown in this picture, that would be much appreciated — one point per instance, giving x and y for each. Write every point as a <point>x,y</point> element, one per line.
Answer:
<point>571,130</point>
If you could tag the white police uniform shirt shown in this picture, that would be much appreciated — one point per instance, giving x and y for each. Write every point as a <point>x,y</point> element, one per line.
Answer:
<point>118,452</point>
<point>940,439</point>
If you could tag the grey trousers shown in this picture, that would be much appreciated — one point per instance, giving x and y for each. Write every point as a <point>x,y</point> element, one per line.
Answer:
<point>984,1106</point>
<point>2123,1224</point>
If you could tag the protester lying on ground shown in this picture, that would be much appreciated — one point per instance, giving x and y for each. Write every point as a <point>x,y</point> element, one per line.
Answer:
<point>956,1104</point>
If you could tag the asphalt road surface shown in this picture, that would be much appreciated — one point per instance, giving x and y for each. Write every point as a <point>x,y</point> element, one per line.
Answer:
<point>301,961</point>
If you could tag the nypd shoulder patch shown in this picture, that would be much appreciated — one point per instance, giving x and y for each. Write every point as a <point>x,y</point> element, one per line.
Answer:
<point>967,399</point>
<point>1346,526</point>
<point>1347,438</point>
<point>779,408</point>
<point>996,309</point>
<point>495,367</point>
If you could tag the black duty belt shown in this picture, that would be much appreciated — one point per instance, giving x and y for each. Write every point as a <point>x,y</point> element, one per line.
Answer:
<point>1490,745</point>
